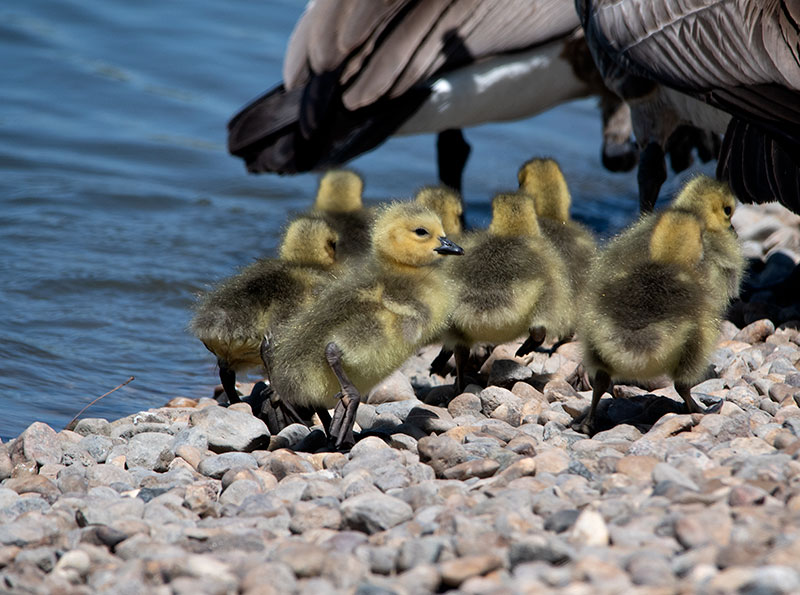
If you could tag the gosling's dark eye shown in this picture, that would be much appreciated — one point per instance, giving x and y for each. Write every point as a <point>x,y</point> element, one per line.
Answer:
<point>421,232</point>
<point>728,211</point>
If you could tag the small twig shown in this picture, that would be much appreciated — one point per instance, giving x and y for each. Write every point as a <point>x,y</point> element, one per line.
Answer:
<point>71,424</point>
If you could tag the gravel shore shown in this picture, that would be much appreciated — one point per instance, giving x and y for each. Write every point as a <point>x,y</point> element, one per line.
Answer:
<point>488,492</point>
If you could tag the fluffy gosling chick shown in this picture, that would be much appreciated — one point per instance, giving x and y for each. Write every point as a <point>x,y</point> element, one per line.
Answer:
<point>446,203</point>
<point>543,180</point>
<point>511,282</point>
<point>368,322</point>
<point>657,293</point>
<point>232,319</point>
<point>339,200</point>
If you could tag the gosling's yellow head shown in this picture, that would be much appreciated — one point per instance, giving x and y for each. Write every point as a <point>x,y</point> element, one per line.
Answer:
<point>309,241</point>
<point>677,238</point>
<point>543,179</point>
<point>709,199</point>
<point>339,191</point>
<point>410,234</point>
<point>513,214</point>
<point>446,203</point>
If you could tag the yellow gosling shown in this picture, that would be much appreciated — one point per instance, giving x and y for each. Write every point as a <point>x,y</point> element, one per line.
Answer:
<point>232,319</point>
<point>339,200</point>
<point>544,181</point>
<point>446,203</point>
<point>657,293</point>
<point>369,321</point>
<point>511,282</point>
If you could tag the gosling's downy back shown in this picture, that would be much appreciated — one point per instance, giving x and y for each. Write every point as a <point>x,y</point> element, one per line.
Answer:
<point>232,317</point>
<point>543,179</point>
<point>713,203</point>
<point>513,214</point>
<point>511,278</point>
<point>340,191</point>
<point>339,200</point>
<point>447,204</point>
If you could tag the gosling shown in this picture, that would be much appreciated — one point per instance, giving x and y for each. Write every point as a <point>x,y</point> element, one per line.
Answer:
<point>366,323</point>
<point>339,201</point>
<point>657,293</point>
<point>232,319</point>
<point>544,181</point>
<point>510,283</point>
<point>446,203</point>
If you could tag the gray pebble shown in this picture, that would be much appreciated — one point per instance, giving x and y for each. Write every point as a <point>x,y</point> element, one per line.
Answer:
<point>374,512</point>
<point>230,430</point>
<point>216,466</point>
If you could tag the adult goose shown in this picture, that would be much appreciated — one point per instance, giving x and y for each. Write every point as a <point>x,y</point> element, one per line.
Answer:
<point>359,71</point>
<point>729,65</point>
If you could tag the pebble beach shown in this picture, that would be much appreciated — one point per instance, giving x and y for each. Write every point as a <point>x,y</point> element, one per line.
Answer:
<point>489,491</point>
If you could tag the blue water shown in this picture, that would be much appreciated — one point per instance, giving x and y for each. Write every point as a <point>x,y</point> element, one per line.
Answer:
<point>120,202</point>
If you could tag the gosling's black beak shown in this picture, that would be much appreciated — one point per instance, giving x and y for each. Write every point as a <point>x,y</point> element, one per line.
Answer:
<point>448,247</point>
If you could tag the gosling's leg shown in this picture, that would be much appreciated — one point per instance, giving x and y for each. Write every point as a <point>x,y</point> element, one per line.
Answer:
<point>440,362</point>
<point>452,152</point>
<point>228,379</point>
<point>692,406</point>
<point>651,176</point>
<point>462,358</point>
<point>344,415</point>
<point>276,412</point>
<point>265,350</point>
<point>600,384</point>
<point>536,335</point>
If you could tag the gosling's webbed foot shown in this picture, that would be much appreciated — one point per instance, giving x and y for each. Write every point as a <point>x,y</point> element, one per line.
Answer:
<point>344,414</point>
<point>277,413</point>
<point>684,390</point>
<point>536,335</point>
<point>344,417</point>
<point>585,425</point>
<point>439,363</point>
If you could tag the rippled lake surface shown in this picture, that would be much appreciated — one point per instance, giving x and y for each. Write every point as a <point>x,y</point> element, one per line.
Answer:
<point>120,202</point>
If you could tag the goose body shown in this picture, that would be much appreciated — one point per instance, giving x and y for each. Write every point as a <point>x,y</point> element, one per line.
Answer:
<point>732,66</point>
<point>657,292</point>
<point>356,72</point>
<point>232,318</point>
<point>375,315</point>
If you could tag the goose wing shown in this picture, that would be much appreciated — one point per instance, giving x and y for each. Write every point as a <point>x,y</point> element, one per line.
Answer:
<point>354,71</point>
<point>742,56</point>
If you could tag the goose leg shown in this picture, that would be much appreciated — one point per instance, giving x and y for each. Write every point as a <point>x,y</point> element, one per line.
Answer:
<point>440,361</point>
<point>462,358</point>
<point>600,385</point>
<point>651,176</point>
<point>452,152</point>
<point>536,335</point>
<point>344,415</point>
<point>228,379</point>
